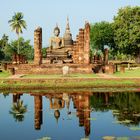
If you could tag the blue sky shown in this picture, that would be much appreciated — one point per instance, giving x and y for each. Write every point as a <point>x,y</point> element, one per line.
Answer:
<point>46,13</point>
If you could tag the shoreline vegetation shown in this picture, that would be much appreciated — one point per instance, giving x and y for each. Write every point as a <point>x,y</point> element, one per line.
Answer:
<point>68,83</point>
<point>129,79</point>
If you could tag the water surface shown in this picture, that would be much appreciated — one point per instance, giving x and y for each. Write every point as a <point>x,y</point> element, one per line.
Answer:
<point>69,116</point>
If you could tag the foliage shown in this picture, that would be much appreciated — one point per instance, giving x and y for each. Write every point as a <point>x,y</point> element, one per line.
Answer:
<point>101,34</point>
<point>3,44</point>
<point>18,110</point>
<point>17,24</point>
<point>44,52</point>
<point>126,30</point>
<point>24,47</point>
<point>4,41</point>
<point>96,52</point>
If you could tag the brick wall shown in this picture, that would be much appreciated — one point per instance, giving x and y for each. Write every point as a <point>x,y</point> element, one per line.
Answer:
<point>81,51</point>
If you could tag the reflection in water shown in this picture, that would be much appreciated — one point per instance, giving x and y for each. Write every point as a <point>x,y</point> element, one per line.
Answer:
<point>18,109</point>
<point>38,117</point>
<point>58,102</point>
<point>5,94</point>
<point>82,105</point>
<point>125,107</point>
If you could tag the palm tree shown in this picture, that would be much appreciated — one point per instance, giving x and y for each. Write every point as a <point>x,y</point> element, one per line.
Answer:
<point>18,110</point>
<point>17,24</point>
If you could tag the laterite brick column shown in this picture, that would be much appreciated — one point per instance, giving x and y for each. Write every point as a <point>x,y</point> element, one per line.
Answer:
<point>81,46</point>
<point>38,46</point>
<point>106,56</point>
<point>87,44</point>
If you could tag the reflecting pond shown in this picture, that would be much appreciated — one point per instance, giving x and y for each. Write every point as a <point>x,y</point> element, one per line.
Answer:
<point>70,116</point>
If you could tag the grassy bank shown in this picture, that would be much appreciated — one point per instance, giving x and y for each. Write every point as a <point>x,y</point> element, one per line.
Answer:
<point>129,73</point>
<point>61,76</point>
<point>66,83</point>
<point>4,74</point>
<point>72,81</point>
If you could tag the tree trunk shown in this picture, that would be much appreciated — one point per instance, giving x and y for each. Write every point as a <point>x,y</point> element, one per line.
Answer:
<point>138,58</point>
<point>18,45</point>
<point>18,61</point>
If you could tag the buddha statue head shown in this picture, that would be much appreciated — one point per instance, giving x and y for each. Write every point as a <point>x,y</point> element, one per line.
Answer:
<point>56,31</point>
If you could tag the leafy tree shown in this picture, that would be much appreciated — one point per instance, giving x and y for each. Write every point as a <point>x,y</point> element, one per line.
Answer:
<point>22,45</point>
<point>127,31</point>
<point>3,43</point>
<point>101,34</point>
<point>44,52</point>
<point>17,24</point>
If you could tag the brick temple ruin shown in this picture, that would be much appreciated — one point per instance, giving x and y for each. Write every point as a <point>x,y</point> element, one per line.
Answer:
<point>64,52</point>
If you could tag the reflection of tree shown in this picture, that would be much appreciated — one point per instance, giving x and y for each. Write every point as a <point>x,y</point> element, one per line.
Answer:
<point>99,103</point>
<point>128,107</point>
<point>126,104</point>
<point>18,110</point>
<point>5,94</point>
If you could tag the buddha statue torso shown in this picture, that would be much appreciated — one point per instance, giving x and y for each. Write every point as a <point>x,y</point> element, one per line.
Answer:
<point>56,42</point>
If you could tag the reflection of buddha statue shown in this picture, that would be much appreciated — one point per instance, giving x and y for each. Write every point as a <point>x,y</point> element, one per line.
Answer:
<point>57,115</point>
<point>56,42</point>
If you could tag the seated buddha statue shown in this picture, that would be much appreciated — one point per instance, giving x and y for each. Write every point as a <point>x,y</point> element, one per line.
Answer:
<point>56,42</point>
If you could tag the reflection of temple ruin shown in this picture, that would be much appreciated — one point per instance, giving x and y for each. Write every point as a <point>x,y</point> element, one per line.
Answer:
<point>38,114</point>
<point>60,101</point>
<point>82,105</point>
<point>83,102</point>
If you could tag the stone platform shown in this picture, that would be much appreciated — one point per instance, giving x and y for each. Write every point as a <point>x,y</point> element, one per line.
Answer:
<point>52,68</point>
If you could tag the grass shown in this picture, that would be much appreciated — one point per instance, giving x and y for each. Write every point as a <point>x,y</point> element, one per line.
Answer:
<point>129,73</point>
<point>64,83</point>
<point>4,74</point>
<point>61,76</point>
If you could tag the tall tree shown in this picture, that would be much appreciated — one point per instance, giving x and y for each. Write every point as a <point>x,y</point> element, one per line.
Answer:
<point>127,31</point>
<point>4,41</point>
<point>3,44</point>
<point>22,45</point>
<point>17,24</point>
<point>101,34</point>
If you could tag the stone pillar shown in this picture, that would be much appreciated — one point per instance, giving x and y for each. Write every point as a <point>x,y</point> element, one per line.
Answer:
<point>76,50</point>
<point>4,66</point>
<point>122,69</point>
<point>38,112</point>
<point>38,46</point>
<point>87,44</point>
<point>106,56</point>
<point>81,46</point>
